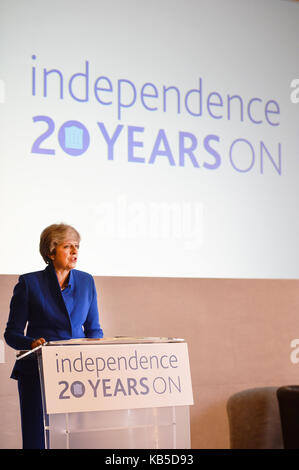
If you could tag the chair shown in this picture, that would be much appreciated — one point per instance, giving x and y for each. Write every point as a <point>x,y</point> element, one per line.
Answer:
<point>254,419</point>
<point>288,400</point>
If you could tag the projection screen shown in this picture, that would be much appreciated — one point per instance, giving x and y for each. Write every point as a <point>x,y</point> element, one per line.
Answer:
<point>165,131</point>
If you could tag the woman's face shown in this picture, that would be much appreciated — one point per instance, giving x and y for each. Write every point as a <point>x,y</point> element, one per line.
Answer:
<point>66,255</point>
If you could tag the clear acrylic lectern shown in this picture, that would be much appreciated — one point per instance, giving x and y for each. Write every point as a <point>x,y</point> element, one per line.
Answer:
<point>120,393</point>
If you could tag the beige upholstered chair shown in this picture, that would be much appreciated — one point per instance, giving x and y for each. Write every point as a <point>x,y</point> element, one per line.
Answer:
<point>254,419</point>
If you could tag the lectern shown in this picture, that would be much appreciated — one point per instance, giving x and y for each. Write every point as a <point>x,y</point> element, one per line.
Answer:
<point>120,393</point>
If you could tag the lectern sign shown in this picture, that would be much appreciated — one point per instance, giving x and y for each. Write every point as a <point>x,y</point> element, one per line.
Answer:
<point>116,376</point>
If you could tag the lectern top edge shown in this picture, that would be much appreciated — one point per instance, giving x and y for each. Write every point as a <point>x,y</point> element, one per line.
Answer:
<point>100,341</point>
<point>115,340</point>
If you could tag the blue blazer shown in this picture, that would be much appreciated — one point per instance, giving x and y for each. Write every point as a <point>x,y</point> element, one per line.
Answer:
<point>50,313</point>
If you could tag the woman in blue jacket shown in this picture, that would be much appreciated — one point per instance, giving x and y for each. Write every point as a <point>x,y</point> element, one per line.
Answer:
<point>57,303</point>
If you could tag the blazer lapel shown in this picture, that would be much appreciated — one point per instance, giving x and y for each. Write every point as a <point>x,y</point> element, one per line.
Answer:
<point>55,290</point>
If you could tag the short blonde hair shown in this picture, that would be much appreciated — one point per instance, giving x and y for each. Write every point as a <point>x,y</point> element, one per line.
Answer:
<point>54,235</point>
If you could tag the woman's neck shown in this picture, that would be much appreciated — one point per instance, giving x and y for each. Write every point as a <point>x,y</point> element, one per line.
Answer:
<point>62,276</point>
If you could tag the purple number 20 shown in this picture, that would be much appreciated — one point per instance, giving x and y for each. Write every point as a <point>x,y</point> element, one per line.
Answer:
<point>36,144</point>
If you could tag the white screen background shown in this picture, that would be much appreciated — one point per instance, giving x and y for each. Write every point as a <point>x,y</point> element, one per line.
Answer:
<point>141,218</point>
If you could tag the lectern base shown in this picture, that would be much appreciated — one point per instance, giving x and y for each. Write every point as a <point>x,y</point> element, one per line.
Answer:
<point>144,428</point>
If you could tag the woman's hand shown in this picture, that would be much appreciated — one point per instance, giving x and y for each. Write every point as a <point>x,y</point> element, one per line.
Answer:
<point>37,342</point>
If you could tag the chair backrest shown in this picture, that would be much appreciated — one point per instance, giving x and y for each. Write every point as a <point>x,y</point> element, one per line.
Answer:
<point>254,419</point>
<point>288,400</point>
